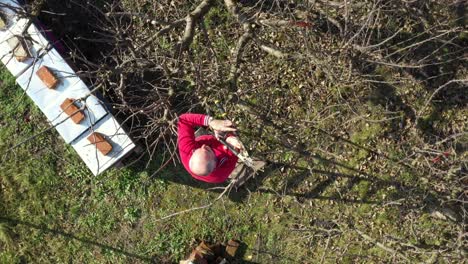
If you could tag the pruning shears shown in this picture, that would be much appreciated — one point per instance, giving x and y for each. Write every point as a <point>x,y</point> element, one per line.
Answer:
<point>241,155</point>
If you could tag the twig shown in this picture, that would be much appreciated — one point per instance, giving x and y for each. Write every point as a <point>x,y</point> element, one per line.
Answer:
<point>436,91</point>
<point>161,32</point>
<point>322,259</point>
<point>226,190</point>
<point>191,21</point>
<point>243,40</point>
<point>380,245</point>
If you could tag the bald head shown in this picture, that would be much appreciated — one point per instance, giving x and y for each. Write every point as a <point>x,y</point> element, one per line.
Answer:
<point>203,161</point>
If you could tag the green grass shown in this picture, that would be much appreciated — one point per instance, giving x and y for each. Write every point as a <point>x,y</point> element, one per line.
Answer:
<point>52,209</point>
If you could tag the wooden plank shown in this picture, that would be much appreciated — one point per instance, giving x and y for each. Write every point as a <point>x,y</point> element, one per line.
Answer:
<point>47,69</point>
<point>69,86</point>
<point>6,51</point>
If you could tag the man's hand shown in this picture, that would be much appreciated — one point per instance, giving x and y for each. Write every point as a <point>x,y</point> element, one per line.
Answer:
<point>222,125</point>
<point>235,143</point>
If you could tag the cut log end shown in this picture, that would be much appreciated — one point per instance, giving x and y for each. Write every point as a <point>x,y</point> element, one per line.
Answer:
<point>231,248</point>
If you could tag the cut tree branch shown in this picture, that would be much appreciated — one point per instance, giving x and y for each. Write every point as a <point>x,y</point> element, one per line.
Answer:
<point>243,40</point>
<point>191,20</point>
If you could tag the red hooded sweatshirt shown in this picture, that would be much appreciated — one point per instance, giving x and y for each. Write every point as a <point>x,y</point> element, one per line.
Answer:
<point>226,160</point>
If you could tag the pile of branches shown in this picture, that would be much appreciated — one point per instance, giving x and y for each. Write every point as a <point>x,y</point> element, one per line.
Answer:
<point>280,68</point>
<point>155,59</point>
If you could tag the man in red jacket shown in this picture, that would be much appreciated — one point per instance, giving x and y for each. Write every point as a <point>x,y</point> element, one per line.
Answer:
<point>204,157</point>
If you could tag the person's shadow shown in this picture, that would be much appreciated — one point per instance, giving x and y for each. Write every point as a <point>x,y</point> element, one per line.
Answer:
<point>176,173</point>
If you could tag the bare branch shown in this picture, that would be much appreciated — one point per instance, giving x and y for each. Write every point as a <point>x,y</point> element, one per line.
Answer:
<point>227,189</point>
<point>380,245</point>
<point>191,21</point>
<point>437,91</point>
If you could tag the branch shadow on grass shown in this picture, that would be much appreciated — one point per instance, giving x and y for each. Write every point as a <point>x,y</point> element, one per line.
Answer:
<point>330,177</point>
<point>304,173</point>
<point>179,176</point>
<point>14,222</point>
<point>408,196</point>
